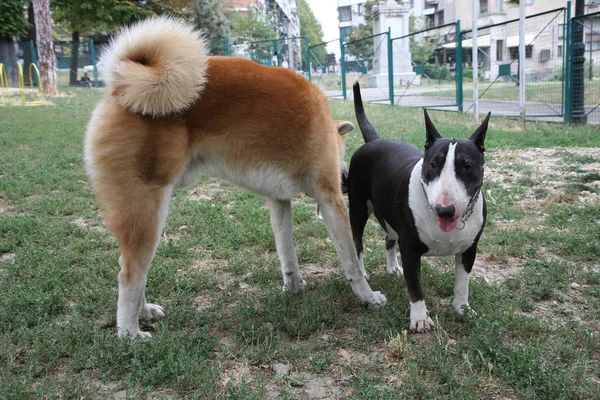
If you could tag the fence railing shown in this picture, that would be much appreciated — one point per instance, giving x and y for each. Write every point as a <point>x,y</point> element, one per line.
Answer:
<point>431,68</point>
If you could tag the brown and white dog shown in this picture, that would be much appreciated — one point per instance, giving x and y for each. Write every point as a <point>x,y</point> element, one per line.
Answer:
<point>171,113</point>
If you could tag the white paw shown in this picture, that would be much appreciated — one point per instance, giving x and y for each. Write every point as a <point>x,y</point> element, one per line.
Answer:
<point>419,318</point>
<point>395,271</point>
<point>421,325</point>
<point>378,300</point>
<point>366,275</point>
<point>151,312</point>
<point>464,309</point>
<point>294,286</point>
<point>138,335</point>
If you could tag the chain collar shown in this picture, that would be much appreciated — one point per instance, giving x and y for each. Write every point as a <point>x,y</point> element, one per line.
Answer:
<point>468,212</point>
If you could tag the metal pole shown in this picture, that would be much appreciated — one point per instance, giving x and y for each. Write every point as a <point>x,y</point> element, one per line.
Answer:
<point>578,87</point>
<point>458,69</point>
<point>307,45</point>
<point>94,62</point>
<point>522,92</point>
<point>390,65</point>
<point>343,65</point>
<point>591,75</point>
<point>474,56</point>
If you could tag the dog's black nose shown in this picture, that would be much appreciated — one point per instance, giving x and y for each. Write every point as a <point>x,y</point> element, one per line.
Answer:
<point>445,212</point>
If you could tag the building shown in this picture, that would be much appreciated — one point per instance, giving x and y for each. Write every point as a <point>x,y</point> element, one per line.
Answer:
<point>350,15</point>
<point>498,37</point>
<point>285,16</point>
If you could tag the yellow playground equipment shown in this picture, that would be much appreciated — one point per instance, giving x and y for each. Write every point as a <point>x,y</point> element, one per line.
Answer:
<point>29,97</point>
<point>36,99</point>
<point>4,94</point>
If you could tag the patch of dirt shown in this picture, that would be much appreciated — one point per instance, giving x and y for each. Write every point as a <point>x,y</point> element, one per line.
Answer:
<point>5,257</point>
<point>91,225</point>
<point>310,269</point>
<point>487,268</point>
<point>548,170</point>
<point>205,192</point>
<point>7,208</point>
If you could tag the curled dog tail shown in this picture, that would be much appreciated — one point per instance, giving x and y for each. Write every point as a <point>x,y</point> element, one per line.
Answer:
<point>369,133</point>
<point>156,67</point>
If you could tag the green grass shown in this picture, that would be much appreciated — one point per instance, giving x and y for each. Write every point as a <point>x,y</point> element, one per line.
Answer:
<point>547,92</point>
<point>217,275</point>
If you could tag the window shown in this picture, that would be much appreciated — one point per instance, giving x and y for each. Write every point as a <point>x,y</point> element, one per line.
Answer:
<point>345,13</point>
<point>514,52</point>
<point>345,31</point>
<point>360,9</point>
<point>440,18</point>
<point>499,6</point>
<point>561,31</point>
<point>483,7</point>
<point>499,49</point>
<point>559,51</point>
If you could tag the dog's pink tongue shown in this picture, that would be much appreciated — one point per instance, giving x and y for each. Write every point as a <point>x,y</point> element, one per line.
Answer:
<point>448,225</point>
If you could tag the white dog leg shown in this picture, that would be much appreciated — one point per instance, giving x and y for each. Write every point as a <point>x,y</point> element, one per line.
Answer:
<point>461,285</point>
<point>335,215</point>
<point>281,222</point>
<point>137,254</point>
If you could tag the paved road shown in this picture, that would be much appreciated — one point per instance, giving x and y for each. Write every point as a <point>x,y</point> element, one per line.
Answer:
<point>418,98</point>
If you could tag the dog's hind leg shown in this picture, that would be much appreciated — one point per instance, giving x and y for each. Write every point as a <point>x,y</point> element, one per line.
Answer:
<point>281,222</point>
<point>359,214</point>
<point>392,257</point>
<point>137,221</point>
<point>335,215</point>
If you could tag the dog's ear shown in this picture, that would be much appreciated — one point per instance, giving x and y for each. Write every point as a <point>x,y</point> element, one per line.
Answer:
<point>479,136</point>
<point>344,127</point>
<point>431,134</point>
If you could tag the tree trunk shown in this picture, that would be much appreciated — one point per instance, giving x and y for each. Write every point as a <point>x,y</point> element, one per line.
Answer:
<point>45,46</point>
<point>74,58</point>
<point>9,57</point>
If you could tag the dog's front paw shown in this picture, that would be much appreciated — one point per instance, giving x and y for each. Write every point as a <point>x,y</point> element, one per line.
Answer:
<point>294,286</point>
<point>419,318</point>
<point>151,312</point>
<point>137,335</point>
<point>464,310</point>
<point>421,325</point>
<point>378,300</point>
<point>395,271</point>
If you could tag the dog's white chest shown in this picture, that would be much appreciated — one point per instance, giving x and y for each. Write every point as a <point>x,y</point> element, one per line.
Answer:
<point>440,243</point>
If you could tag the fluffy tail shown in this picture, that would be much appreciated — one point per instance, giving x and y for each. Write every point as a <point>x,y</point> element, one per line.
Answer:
<point>156,67</point>
<point>369,133</point>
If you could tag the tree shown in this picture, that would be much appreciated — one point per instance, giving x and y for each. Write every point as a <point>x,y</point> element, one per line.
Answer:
<point>363,49</point>
<point>209,16</point>
<point>13,23</point>
<point>256,35</point>
<point>421,48</point>
<point>311,28</point>
<point>45,46</point>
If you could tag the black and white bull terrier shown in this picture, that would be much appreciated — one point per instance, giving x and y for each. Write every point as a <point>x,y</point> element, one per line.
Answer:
<point>430,204</point>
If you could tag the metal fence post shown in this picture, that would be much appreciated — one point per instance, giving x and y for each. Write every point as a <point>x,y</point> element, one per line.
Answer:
<point>577,73</point>
<point>276,47</point>
<point>307,45</point>
<point>227,46</point>
<point>459,70</point>
<point>94,62</point>
<point>390,65</point>
<point>343,65</point>
<point>566,75</point>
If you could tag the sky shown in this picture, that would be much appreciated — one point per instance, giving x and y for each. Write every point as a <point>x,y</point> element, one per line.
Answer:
<point>326,13</point>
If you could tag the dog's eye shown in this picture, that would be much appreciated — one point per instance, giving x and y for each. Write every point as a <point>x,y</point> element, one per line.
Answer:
<point>432,165</point>
<point>467,166</point>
